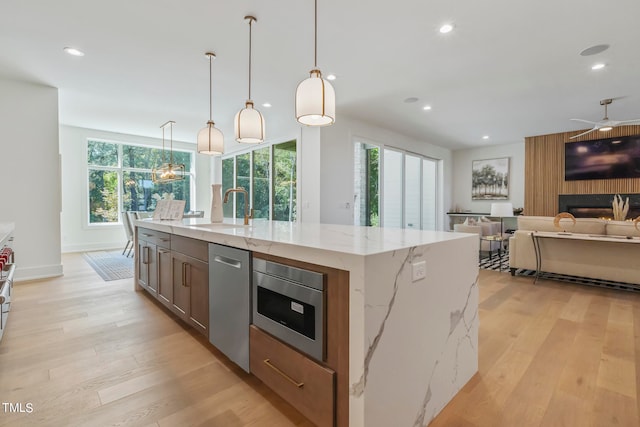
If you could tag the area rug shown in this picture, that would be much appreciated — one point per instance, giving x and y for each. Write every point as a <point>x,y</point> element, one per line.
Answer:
<point>502,264</point>
<point>495,262</point>
<point>110,265</point>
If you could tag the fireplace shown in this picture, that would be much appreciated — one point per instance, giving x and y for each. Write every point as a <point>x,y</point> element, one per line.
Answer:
<point>596,205</point>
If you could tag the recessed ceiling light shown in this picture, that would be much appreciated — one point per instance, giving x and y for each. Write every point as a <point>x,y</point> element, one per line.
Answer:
<point>331,77</point>
<point>266,105</point>
<point>446,28</point>
<point>485,137</point>
<point>598,66</point>
<point>605,128</point>
<point>73,51</point>
<point>410,100</point>
<point>427,107</point>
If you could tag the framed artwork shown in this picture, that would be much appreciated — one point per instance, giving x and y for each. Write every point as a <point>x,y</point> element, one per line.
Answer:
<point>490,179</point>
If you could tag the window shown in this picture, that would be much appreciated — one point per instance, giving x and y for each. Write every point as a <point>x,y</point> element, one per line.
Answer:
<point>403,185</point>
<point>119,179</point>
<point>269,175</point>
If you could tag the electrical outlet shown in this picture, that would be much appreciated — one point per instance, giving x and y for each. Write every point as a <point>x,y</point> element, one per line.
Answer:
<point>419,270</point>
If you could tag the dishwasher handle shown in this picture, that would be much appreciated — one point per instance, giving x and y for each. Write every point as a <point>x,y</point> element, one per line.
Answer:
<point>228,261</point>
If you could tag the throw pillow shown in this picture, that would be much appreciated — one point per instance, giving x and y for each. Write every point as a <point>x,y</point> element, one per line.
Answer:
<point>466,221</point>
<point>484,219</point>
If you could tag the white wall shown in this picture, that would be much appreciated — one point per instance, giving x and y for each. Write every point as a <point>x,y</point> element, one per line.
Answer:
<point>337,159</point>
<point>30,176</point>
<point>309,174</point>
<point>77,235</point>
<point>462,162</point>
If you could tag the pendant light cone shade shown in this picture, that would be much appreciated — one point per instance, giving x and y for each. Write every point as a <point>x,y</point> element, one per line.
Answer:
<point>210,139</point>
<point>249,123</point>
<point>315,97</point>
<point>315,101</point>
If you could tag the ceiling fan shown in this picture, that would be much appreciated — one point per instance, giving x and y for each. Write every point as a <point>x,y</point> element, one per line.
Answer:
<point>605,124</point>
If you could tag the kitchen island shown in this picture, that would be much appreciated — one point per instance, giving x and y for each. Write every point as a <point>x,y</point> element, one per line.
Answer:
<point>412,307</point>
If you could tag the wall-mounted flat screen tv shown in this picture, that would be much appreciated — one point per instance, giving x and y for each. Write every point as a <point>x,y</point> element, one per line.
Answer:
<point>602,158</point>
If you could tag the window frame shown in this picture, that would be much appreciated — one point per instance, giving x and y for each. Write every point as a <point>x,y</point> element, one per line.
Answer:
<point>120,170</point>
<point>250,150</point>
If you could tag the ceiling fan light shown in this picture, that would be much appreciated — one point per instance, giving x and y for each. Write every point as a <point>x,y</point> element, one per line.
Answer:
<point>210,140</point>
<point>315,101</point>
<point>249,125</point>
<point>605,128</point>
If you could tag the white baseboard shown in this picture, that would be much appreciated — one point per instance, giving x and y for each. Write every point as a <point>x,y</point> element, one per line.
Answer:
<point>40,272</point>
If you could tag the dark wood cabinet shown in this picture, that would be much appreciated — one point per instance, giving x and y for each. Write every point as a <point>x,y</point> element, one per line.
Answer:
<point>147,266</point>
<point>165,276</point>
<point>175,270</point>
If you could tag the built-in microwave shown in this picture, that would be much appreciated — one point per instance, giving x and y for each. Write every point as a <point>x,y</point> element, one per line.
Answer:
<point>289,303</point>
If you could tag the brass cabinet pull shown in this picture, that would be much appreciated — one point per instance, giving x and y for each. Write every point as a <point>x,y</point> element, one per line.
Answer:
<point>184,273</point>
<point>146,235</point>
<point>285,376</point>
<point>145,254</point>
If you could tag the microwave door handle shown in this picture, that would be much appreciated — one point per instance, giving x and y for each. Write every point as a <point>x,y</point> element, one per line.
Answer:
<point>227,261</point>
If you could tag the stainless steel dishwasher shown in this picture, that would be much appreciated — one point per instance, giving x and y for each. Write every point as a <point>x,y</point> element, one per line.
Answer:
<point>230,302</point>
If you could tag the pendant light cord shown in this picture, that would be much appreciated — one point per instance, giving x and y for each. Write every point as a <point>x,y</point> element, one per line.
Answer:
<point>250,21</point>
<point>315,36</point>
<point>210,91</point>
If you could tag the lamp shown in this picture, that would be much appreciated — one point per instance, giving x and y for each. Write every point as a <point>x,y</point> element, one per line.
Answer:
<point>168,172</point>
<point>315,97</point>
<point>501,210</point>
<point>210,138</point>
<point>249,123</point>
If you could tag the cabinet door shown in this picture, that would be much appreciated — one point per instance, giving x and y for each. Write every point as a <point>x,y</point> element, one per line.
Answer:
<point>181,294</point>
<point>165,277</point>
<point>147,276</point>
<point>197,275</point>
<point>152,255</point>
<point>191,291</point>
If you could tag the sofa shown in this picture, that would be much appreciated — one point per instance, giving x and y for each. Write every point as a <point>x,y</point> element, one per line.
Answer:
<point>608,251</point>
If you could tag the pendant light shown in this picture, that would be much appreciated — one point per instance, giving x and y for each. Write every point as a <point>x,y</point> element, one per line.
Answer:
<point>210,138</point>
<point>315,97</point>
<point>249,123</point>
<point>168,172</point>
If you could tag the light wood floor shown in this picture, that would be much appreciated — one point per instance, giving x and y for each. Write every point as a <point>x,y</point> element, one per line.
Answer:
<point>553,354</point>
<point>85,352</point>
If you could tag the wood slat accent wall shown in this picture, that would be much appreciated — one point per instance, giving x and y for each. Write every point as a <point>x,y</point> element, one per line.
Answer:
<point>544,172</point>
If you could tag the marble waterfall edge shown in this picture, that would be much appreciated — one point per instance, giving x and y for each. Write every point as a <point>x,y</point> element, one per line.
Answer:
<point>421,338</point>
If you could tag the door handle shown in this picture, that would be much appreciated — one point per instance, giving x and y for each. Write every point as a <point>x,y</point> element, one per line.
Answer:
<point>186,275</point>
<point>227,261</point>
<point>282,374</point>
<point>145,254</point>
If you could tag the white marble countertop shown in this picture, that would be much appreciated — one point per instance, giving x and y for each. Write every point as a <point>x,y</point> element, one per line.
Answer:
<point>346,239</point>
<point>6,229</point>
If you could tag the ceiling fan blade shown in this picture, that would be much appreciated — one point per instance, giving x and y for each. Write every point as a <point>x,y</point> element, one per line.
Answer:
<point>627,122</point>
<point>584,121</point>
<point>583,133</point>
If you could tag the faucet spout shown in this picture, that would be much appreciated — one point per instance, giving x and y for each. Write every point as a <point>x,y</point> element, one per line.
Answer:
<point>247,217</point>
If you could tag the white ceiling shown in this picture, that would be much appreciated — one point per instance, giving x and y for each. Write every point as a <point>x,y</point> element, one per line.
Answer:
<point>509,69</point>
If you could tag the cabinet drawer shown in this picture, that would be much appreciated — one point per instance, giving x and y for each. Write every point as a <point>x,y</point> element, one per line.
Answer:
<point>156,237</point>
<point>194,248</point>
<point>306,385</point>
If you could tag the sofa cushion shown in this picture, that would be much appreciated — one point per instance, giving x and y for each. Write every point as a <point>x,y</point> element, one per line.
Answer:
<point>621,228</point>
<point>545,223</point>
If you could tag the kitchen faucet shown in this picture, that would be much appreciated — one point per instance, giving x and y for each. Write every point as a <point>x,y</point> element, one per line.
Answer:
<point>247,217</point>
